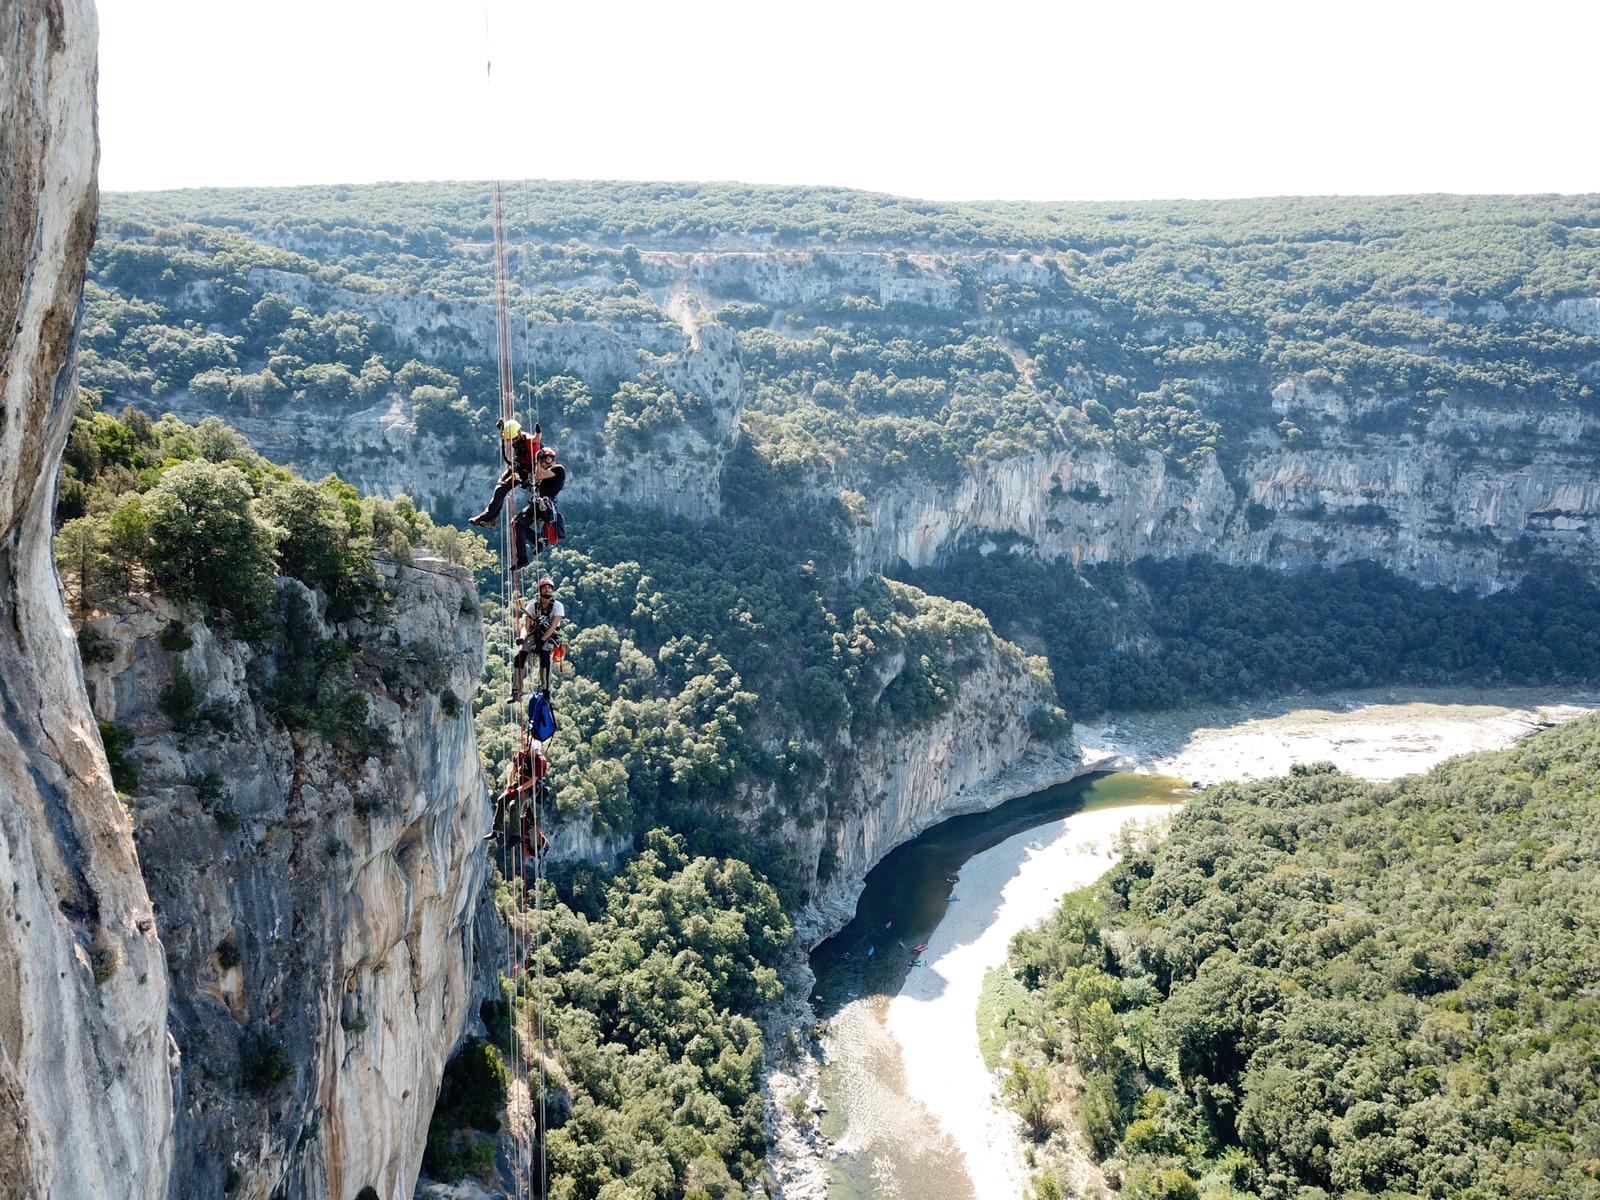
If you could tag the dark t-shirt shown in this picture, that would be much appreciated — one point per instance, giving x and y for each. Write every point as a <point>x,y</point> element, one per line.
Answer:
<point>551,488</point>
<point>523,448</point>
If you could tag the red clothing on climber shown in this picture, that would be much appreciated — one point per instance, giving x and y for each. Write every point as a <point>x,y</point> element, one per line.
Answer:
<point>520,452</point>
<point>526,778</point>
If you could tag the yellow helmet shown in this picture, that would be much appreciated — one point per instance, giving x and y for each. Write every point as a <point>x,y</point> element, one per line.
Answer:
<point>510,430</point>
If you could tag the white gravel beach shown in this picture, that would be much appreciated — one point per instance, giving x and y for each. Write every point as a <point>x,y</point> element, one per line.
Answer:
<point>1003,890</point>
<point>1017,883</point>
<point>1377,735</point>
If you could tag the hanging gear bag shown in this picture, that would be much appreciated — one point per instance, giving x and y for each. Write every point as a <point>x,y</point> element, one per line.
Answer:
<point>541,719</point>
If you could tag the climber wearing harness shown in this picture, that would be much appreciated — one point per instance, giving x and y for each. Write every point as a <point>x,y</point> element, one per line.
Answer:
<point>539,631</point>
<point>520,452</point>
<point>538,525</point>
<point>525,779</point>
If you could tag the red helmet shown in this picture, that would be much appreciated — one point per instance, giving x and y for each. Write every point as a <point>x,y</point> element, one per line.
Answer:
<point>547,452</point>
<point>546,582</point>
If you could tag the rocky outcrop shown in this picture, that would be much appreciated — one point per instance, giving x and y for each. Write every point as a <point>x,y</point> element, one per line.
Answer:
<point>799,278</point>
<point>316,901</point>
<point>379,451</point>
<point>681,472</point>
<point>85,1092</point>
<point>887,788</point>
<point>1468,500</point>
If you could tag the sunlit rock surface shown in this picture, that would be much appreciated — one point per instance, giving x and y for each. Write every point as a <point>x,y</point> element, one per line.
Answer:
<point>85,1089</point>
<point>315,897</point>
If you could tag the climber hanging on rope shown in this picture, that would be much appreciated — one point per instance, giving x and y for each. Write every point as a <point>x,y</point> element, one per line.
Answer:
<point>540,524</point>
<point>525,781</point>
<point>539,632</point>
<point>519,451</point>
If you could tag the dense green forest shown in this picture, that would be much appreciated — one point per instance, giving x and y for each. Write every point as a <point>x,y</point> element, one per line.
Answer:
<point>649,976</point>
<point>1316,986</point>
<point>1155,326</point>
<point>1162,633</point>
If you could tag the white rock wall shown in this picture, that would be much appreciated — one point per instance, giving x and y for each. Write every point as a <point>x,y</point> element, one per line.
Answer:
<point>85,1091</point>
<point>1451,513</point>
<point>887,789</point>
<point>326,897</point>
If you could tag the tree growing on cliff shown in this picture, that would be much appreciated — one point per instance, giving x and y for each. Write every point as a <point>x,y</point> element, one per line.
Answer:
<point>315,543</point>
<point>205,542</point>
<point>83,558</point>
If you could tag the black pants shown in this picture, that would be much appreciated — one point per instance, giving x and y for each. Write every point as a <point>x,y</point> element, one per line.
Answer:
<point>502,488</point>
<point>525,528</point>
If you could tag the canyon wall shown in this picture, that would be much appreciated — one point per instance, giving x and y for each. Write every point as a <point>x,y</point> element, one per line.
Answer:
<point>1470,494</point>
<point>316,899</point>
<point>887,787</point>
<point>85,1089</point>
<point>1470,501</point>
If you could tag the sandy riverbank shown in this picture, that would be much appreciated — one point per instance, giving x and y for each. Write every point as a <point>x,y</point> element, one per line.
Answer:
<point>1003,890</point>
<point>1377,735</point>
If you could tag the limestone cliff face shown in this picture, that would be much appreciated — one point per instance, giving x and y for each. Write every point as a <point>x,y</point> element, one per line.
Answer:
<point>1466,498</point>
<point>379,451</point>
<point>313,898</point>
<point>85,1093</point>
<point>887,788</point>
<point>681,473</point>
<point>1466,501</point>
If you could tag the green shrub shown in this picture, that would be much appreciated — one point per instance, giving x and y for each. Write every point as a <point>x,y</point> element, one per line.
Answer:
<point>118,741</point>
<point>93,647</point>
<point>181,701</point>
<point>473,1090</point>
<point>263,1063</point>
<point>175,637</point>
<point>211,791</point>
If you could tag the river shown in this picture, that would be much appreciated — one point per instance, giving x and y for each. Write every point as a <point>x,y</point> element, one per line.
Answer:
<point>910,1110</point>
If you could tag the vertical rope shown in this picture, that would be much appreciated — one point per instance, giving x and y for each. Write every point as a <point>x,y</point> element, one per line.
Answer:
<point>530,372</point>
<point>512,834</point>
<point>521,941</point>
<point>512,849</point>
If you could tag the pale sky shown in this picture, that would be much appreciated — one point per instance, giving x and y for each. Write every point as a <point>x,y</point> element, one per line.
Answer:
<point>990,99</point>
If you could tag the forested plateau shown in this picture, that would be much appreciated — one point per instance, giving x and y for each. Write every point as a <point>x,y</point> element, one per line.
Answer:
<point>869,500</point>
<point>1044,410</point>
<point>1316,986</point>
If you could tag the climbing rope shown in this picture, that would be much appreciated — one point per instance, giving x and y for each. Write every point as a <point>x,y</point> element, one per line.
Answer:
<point>531,378</point>
<point>511,834</point>
<point>524,943</point>
<point>521,940</point>
<point>514,838</point>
